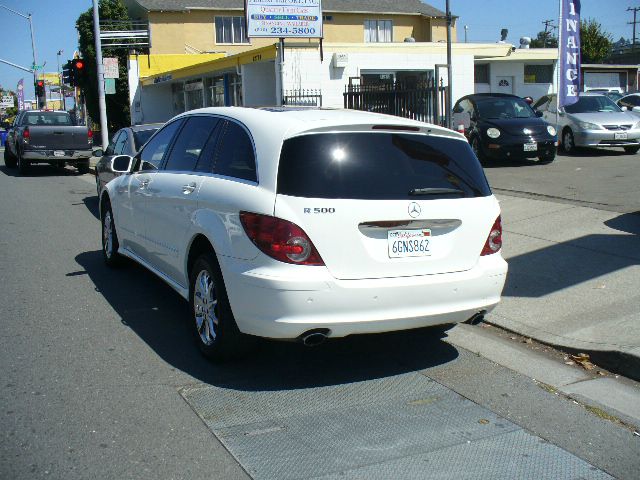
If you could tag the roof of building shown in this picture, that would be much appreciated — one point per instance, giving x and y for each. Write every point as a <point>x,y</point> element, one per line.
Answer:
<point>374,6</point>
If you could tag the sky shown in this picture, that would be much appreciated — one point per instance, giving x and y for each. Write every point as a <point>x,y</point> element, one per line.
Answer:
<point>54,27</point>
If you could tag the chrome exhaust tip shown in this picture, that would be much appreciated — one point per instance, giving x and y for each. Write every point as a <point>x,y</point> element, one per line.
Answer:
<point>315,337</point>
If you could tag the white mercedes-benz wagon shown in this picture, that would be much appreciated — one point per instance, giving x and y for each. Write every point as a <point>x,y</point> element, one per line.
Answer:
<point>307,223</point>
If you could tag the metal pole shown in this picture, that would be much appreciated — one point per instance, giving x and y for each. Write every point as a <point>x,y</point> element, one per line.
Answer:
<point>101,98</point>
<point>466,27</point>
<point>449,76</point>
<point>60,81</point>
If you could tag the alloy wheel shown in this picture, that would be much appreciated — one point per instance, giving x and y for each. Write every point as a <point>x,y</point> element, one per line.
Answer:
<point>107,234</point>
<point>205,309</point>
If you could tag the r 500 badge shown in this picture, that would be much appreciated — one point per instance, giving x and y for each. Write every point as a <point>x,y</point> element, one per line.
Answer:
<point>319,210</point>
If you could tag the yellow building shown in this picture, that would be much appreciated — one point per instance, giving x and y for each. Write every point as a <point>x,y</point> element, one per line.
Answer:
<point>218,26</point>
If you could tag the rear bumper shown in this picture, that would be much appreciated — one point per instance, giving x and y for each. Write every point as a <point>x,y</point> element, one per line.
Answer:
<point>606,138</point>
<point>70,156</point>
<point>284,307</point>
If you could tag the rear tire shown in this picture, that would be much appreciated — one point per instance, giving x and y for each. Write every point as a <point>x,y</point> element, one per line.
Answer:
<point>9,160</point>
<point>23,165</point>
<point>110,242</point>
<point>213,325</point>
<point>83,167</point>
<point>632,150</point>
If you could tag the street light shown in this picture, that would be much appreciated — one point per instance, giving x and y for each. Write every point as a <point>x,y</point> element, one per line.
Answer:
<point>62,105</point>
<point>33,43</point>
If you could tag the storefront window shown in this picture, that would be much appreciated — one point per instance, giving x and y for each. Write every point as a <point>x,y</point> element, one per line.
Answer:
<point>178,98</point>
<point>194,90</point>
<point>215,92</point>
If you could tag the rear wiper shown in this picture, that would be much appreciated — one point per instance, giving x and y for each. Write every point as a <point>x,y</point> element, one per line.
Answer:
<point>435,191</point>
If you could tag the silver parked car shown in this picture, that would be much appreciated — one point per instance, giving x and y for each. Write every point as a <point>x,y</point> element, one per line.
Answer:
<point>126,141</point>
<point>593,121</point>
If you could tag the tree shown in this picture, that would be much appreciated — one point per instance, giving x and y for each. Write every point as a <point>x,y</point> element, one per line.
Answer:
<point>539,41</point>
<point>118,103</point>
<point>595,44</point>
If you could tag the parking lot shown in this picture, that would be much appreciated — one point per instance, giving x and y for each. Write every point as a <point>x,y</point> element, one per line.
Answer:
<point>101,378</point>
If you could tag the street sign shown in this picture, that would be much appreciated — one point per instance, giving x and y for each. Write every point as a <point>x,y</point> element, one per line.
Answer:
<point>109,86</point>
<point>284,18</point>
<point>111,69</point>
<point>6,101</point>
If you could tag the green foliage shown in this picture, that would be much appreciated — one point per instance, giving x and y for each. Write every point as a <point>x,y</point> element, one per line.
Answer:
<point>595,44</point>
<point>538,42</point>
<point>118,103</point>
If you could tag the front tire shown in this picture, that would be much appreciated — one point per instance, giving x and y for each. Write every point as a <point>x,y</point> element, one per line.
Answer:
<point>110,242</point>
<point>546,159</point>
<point>477,149</point>
<point>568,142</point>
<point>632,150</point>
<point>9,160</point>
<point>213,325</point>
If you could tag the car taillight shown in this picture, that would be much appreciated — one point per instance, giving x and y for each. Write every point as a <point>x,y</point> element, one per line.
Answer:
<point>494,240</point>
<point>90,135</point>
<point>280,239</point>
<point>460,128</point>
<point>26,135</point>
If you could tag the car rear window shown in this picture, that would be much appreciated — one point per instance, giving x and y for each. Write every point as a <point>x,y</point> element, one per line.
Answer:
<point>381,166</point>
<point>140,137</point>
<point>51,119</point>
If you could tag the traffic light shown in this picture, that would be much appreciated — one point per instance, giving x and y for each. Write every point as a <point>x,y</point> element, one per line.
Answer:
<point>79,68</point>
<point>68,77</point>
<point>40,94</point>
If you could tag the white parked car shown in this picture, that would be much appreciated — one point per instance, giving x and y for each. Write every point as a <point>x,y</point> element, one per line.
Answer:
<point>307,224</point>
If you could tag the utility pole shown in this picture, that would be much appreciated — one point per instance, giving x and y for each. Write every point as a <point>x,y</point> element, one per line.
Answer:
<point>449,75</point>
<point>101,98</point>
<point>547,24</point>
<point>635,11</point>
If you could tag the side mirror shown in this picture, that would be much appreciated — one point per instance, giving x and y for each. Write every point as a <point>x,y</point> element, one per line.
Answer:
<point>539,113</point>
<point>121,164</point>
<point>98,152</point>
<point>624,109</point>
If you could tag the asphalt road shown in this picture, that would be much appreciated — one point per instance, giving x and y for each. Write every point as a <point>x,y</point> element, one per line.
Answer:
<point>94,361</point>
<point>601,179</point>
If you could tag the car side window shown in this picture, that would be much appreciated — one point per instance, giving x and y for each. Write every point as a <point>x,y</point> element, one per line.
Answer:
<point>126,150</point>
<point>234,155</point>
<point>153,153</point>
<point>118,148</point>
<point>632,101</point>
<point>112,144</point>
<point>190,143</point>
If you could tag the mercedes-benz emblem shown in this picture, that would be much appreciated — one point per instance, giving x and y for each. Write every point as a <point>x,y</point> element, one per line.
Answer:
<point>414,210</point>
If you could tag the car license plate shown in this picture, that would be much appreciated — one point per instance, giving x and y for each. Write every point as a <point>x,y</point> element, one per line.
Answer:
<point>620,136</point>
<point>409,243</point>
<point>58,153</point>
<point>530,147</point>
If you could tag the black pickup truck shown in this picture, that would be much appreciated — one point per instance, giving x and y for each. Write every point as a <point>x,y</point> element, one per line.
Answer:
<point>42,136</point>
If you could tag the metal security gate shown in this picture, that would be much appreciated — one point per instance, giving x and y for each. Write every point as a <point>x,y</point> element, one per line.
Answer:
<point>424,101</point>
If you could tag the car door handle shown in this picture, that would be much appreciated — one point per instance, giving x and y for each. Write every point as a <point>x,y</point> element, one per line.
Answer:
<point>143,183</point>
<point>189,188</point>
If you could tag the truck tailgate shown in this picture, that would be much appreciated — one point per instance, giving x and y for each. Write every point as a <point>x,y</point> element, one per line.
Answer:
<point>59,137</point>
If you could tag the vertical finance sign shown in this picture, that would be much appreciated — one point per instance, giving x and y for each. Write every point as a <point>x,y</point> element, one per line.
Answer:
<point>569,46</point>
<point>284,18</point>
<point>21,94</point>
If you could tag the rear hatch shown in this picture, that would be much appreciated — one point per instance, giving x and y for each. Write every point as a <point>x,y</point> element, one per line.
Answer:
<point>381,204</point>
<point>58,137</point>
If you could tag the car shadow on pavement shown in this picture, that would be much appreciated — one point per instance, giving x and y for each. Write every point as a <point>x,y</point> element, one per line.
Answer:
<point>627,222</point>
<point>564,265</point>
<point>159,316</point>
<point>43,170</point>
<point>92,205</point>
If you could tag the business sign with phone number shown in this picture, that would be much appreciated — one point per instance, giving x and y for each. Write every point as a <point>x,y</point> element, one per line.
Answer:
<point>284,18</point>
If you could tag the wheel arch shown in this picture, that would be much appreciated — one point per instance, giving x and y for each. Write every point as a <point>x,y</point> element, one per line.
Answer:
<point>199,244</point>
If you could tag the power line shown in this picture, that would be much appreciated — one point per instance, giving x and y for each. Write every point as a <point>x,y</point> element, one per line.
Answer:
<point>547,24</point>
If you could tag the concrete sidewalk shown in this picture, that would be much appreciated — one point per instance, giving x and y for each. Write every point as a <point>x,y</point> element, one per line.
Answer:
<point>574,280</point>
